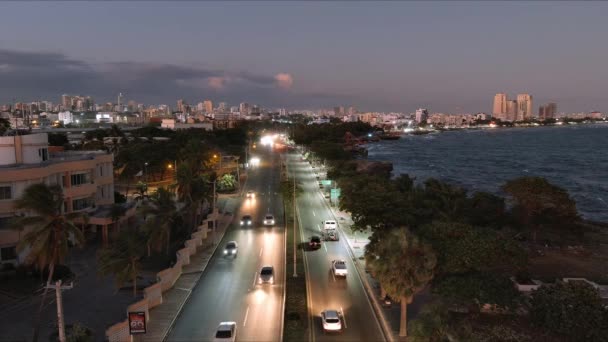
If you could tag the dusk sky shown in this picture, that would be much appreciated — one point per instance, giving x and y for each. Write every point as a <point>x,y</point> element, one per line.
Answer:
<point>387,56</point>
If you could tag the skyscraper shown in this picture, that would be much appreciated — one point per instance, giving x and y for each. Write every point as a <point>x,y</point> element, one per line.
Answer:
<point>66,102</point>
<point>208,106</point>
<point>524,107</point>
<point>223,107</point>
<point>547,111</point>
<point>511,114</point>
<point>244,108</point>
<point>421,115</point>
<point>180,105</point>
<point>119,102</point>
<point>500,106</point>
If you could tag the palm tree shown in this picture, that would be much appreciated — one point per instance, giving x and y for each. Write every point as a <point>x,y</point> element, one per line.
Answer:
<point>160,214</point>
<point>117,211</point>
<point>50,230</point>
<point>403,265</point>
<point>122,258</point>
<point>191,189</point>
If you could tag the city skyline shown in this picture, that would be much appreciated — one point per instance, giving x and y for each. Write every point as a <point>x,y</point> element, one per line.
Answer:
<point>387,57</point>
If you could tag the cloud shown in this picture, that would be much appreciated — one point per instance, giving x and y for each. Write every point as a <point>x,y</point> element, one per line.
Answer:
<point>30,76</point>
<point>284,80</point>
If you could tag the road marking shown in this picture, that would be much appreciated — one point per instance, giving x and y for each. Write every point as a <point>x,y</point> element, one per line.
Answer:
<point>319,226</point>
<point>343,317</point>
<point>254,279</point>
<point>247,314</point>
<point>333,275</point>
<point>261,249</point>
<point>324,246</point>
<point>183,289</point>
<point>313,213</point>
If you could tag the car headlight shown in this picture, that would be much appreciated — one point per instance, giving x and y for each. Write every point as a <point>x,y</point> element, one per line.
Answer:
<point>225,251</point>
<point>242,223</point>
<point>234,251</point>
<point>272,222</point>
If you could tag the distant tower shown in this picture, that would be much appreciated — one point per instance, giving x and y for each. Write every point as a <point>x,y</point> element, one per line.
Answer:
<point>524,107</point>
<point>500,106</point>
<point>119,101</point>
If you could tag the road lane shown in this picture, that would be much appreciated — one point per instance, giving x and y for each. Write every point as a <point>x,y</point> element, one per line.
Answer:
<point>228,291</point>
<point>327,291</point>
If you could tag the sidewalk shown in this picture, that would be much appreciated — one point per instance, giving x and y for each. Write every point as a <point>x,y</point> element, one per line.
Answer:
<point>163,316</point>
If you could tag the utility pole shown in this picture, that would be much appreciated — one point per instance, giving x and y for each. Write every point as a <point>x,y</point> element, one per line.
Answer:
<point>60,323</point>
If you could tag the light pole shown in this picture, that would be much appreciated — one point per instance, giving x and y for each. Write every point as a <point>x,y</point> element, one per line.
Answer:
<point>295,273</point>
<point>146,172</point>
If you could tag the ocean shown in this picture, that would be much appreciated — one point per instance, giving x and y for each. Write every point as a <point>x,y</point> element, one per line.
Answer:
<point>574,157</point>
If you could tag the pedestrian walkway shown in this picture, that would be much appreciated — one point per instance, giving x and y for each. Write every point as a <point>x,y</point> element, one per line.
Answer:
<point>163,316</point>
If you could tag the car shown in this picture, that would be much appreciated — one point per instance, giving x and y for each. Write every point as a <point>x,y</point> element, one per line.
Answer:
<point>246,220</point>
<point>269,220</point>
<point>231,248</point>
<point>339,268</point>
<point>332,235</point>
<point>250,194</point>
<point>329,224</point>
<point>331,320</point>
<point>266,275</point>
<point>226,331</point>
<point>315,242</point>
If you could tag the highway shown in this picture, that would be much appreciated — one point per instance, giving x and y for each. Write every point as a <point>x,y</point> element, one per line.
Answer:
<point>228,289</point>
<point>327,292</point>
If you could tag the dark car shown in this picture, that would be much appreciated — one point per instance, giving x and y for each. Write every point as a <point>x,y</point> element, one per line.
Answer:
<point>246,220</point>
<point>315,242</point>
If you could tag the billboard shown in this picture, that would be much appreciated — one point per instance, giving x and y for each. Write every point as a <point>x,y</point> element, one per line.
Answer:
<point>137,323</point>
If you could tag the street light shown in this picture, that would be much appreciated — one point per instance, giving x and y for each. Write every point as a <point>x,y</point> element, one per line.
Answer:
<point>145,172</point>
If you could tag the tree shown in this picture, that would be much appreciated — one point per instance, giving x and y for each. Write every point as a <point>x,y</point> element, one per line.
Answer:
<point>58,139</point>
<point>191,189</point>
<point>227,182</point>
<point>486,210</point>
<point>160,214</point>
<point>574,309</point>
<point>539,204</point>
<point>5,125</point>
<point>117,211</point>
<point>475,289</point>
<point>403,265</point>
<point>50,230</point>
<point>462,248</point>
<point>122,258</point>
<point>431,324</point>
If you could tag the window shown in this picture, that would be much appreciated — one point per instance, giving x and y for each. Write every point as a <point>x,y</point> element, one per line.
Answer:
<point>79,179</point>
<point>43,153</point>
<point>6,192</point>
<point>100,170</point>
<point>82,203</point>
<point>8,253</point>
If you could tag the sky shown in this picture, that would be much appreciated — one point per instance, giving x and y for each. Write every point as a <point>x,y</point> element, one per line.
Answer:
<point>446,56</point>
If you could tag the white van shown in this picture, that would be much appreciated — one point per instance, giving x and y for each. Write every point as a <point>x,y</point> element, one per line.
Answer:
<point>330,224</point>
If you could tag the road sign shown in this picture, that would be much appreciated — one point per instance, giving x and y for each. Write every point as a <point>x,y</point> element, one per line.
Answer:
<point>335,194</point>
<point>326,182</point>
<point>137,323</point>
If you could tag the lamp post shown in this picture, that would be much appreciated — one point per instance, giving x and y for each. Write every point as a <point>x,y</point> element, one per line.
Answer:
<point>295,273</point>
<point>146,172</point>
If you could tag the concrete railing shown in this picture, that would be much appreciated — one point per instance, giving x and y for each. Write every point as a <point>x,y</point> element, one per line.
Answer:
<point>153,295</point>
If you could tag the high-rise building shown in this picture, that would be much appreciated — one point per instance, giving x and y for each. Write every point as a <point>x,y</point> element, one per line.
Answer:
<point>180,105</point>
<point>500,106</point>
<point>524,107</point>
<point>352,110</point>
<point>208,106</point>
<point>200,107</point>
<point>244,108</point>
<point>547,111</point>
<point>223,107</point>
<point>421,115</point>
<point>66,102</point>
<point>119,102</point>
<point>511,113</point>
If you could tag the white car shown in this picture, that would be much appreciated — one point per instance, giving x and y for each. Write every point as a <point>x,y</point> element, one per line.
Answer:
<point>269,220</point>
<point>226,331</point>
<point>330,224</point>
<point>331,320</point>
<point>246,220</point>
<point>231,249</point>
<point>339,268</point>
<point>250,194</point>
